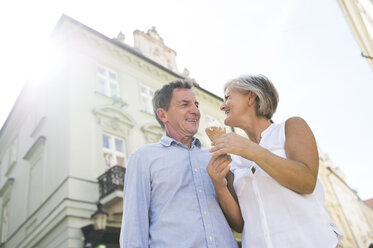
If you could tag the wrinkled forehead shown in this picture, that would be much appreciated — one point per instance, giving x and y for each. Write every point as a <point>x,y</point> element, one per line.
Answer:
<point>181,94</point>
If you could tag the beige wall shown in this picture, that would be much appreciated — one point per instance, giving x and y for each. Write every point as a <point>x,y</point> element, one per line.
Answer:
<point>344,206</point>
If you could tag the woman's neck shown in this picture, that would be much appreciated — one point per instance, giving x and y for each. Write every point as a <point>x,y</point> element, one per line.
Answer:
<point>255,126</point>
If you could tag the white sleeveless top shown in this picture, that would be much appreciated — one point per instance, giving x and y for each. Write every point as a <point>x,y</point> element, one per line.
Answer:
<point>276,216</point>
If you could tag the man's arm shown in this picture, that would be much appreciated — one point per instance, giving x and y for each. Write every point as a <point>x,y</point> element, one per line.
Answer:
<point>218,169</point>
<point>136,202</point>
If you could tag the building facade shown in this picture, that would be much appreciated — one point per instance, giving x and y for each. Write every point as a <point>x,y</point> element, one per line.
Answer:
<point>349,212</point>
<point>359,15</point>
<point>65,144</point>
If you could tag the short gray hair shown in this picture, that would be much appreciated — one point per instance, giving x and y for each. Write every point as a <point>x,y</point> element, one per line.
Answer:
<point>267,96</point>
<point>163,96</point>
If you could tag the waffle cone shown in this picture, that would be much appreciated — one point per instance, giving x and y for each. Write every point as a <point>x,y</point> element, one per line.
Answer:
<point>214,132</point>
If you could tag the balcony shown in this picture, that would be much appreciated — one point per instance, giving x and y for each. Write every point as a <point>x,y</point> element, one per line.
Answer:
<point>111,181</point>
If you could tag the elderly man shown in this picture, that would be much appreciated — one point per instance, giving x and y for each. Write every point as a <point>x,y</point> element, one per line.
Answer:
<point>169,199</point>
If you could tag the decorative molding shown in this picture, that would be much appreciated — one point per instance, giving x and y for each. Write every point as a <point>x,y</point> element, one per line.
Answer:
<point>38,127</point>
<point>10,168</point>
<point>152,132</point>
<point>31,226</point>
<point>114,119</point>
<point>7,186</point>
<point>38,143</point>
<point>115,101</point>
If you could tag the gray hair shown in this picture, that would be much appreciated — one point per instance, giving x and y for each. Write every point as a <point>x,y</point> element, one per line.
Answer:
<point>162,97</point>
<point>267,96</point>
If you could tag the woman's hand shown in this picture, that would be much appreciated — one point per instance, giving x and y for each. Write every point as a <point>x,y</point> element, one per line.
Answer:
<point>217,168</point>
<point>234,144</point>
<point>297,172</point>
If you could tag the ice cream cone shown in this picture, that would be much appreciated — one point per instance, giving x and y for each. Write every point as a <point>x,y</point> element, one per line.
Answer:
<point>214,132</point>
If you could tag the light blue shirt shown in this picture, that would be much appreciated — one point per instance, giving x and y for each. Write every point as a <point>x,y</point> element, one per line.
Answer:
<point>169,200</point>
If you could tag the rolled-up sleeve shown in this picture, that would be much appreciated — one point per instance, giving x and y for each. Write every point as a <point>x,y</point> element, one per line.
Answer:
<point>136,202</point>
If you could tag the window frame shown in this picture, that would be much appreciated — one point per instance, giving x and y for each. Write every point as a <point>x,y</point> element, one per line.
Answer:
<point>108,81</point>
<point>113,151</point>
<point>147,108</point>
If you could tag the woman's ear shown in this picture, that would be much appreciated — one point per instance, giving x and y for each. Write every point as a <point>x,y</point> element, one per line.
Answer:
<point>162,115</point>
<point>251,98</point>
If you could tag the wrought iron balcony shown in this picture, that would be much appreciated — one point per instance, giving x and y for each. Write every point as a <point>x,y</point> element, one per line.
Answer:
<point>111,180</point>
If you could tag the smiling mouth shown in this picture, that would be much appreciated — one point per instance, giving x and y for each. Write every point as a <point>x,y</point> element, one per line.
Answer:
<point>191,120</point>
<point>227,111</point>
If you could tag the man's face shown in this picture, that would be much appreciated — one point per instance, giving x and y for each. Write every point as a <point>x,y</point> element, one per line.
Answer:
<point>182,117</point>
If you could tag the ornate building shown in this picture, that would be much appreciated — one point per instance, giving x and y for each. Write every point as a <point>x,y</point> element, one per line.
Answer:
<point>359,14</point>
<point>65,144</point>
<point>351,214</point>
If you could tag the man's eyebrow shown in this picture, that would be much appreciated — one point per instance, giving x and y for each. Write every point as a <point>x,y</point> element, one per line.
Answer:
<point>188,101</point>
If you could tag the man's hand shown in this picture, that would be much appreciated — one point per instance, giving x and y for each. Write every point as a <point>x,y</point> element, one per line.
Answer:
<point>217,168</point>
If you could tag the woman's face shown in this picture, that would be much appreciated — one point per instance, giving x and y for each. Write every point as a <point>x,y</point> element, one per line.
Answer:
<point>235,106</point>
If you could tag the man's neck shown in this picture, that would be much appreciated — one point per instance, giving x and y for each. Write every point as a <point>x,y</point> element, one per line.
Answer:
<point>182,139</point>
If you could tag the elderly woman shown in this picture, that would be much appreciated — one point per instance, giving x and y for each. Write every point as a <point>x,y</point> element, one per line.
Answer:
<point>272,173</point>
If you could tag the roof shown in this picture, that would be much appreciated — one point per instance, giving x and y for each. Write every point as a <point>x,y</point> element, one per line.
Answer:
<point>129,49</point>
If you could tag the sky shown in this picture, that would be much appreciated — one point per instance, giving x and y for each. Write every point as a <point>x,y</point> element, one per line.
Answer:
<point>305,47</point>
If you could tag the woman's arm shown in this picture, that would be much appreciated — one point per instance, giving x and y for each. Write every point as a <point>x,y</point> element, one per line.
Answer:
<point>217,169</point>
<point>297,172</point>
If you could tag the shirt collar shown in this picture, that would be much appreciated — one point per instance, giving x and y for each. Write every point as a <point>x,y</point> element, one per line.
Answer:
<point>167,141</point>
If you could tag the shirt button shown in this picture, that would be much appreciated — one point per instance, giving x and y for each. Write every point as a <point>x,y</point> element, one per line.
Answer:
<point>204,212</point>
<point>210,237</point>
<point>200,191</point>
<point>195,169</point>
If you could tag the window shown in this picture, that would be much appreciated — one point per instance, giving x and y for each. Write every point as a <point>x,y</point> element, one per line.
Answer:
<point>146,98</point>
<point>107,82</point>
<point>114,150</point>
<point>4,222</point>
